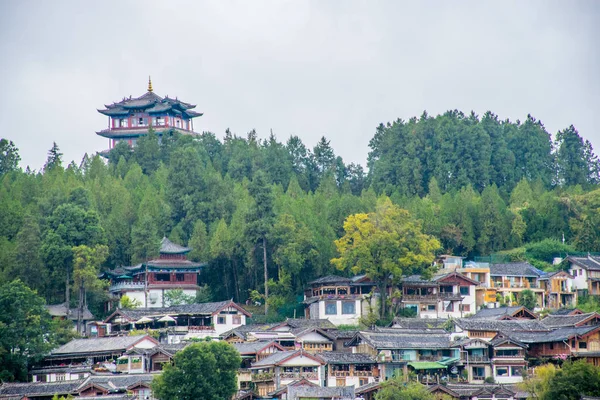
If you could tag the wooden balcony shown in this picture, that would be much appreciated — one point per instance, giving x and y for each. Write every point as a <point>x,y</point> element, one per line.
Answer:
<point>263,377</point>
<point>311,376</point>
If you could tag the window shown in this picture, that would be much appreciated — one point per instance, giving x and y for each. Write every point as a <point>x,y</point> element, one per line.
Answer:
<point>507,353</point>
<point>348,307</point>
<point>60,377</point>
<point>180,277</point>
<point>431,307</point>
<point>465,307</point>
<point>478,373</point>
<point>582,345</point>
<point>331,308</point>
<point>221,320</point>
<point>162,277</point>
<point>516,370</point>
<point>450,307</point>
<point>236,319</point>
<point>141,122</point>
<point>464,290</point>
<point>502,371</point>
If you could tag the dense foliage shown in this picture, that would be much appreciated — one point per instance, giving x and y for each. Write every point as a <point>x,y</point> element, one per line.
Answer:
<point>27,332</point>
<point>248,206</point>
<point>206,370</point>
<point>569,382</point>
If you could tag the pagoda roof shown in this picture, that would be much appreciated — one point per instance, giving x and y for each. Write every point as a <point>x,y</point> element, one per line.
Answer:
<point>168,247</point>
<point>151,103</point>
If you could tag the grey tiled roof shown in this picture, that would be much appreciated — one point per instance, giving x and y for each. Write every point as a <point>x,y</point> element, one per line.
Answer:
<point>168,247</point>
<point>390,340</point>
<point>150,102</point>
<point>244,330</point>
<point>554,321</point>
<point>295,323</point>
<point>135,314</point>
<point>97,345</point>
<point>496,313</point>
<point>589,262</point>
<point>117,382</point>
<point>556,335</point>
<point>469,390</point>
<point>274,358</point>
<point>482,324</point>
<point>330,279</point>
<point>338,357</point>
<point>515,269</point>
<point>60,310</point>
<point>318,392</point>
<point>39,388</point>
<point>251,347</point>
<point>564,311</point>
<point>419,323</point>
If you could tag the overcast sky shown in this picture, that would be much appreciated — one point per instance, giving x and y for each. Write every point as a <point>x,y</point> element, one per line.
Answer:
<point>308,68</point>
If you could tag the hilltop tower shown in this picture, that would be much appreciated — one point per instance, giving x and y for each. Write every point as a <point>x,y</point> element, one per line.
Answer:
<point>132,117</point>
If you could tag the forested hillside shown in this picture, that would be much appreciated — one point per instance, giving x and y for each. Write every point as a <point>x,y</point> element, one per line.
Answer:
<point>480,185</point>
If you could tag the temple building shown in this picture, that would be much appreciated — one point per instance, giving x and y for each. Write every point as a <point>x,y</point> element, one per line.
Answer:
<point>147,283</point>
<point>132,117</point>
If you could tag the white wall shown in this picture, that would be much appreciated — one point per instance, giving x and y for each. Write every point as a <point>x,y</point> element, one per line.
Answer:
<point>350,380</point>
<point>228,325</point>
<point>339,318</point>
<point>580,281</point>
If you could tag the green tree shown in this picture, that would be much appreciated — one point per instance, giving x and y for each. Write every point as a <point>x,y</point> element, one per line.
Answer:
<point>536,386</point>
<point>177,297</point>
<point>574,164</point>
<point>147,152</point>
<point>384,245</point>
<point>260,221</point>
<point>54,159</point>
<point>206,370</point>
<point>9,156</point>
<point>24,330</point>
<point>86,267</point>
<point>573,380</point>
<point>127,302</point>
<point>527,299</point>
<point>398,389</point>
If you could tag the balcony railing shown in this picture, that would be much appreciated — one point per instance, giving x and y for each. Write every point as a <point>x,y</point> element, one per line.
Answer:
<point>474,359</point>
<point>339,374</point>
<point>313,376</point>
<point>126,285</point>
<point>432,297</point>
<point>263,377</point>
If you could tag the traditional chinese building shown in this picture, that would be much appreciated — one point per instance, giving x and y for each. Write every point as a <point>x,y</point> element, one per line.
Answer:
<point>132,117</point>
<point>147,283</point>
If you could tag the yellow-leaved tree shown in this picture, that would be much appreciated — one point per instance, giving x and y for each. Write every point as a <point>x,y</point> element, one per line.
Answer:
<point>384,245</point>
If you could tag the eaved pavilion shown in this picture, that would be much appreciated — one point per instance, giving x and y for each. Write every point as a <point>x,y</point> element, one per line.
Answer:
<point>132,117</point>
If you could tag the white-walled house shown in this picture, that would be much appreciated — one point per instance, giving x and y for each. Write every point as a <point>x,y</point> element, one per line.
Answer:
<point>586,274</point>
<point>349,369</point>
<point>80,357</point>
<point>283,368</point>
<point>184,321</point>
<point>343,301</point>
<point>446,295</point>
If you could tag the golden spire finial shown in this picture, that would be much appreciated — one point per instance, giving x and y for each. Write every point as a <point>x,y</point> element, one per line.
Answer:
<point>149,84</point>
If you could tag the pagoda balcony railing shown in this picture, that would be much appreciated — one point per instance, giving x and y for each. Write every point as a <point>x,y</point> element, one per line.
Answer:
<point>191,328</point>
<point>115,287</point>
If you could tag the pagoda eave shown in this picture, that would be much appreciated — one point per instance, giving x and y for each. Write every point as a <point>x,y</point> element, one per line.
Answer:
<point>131,133</point>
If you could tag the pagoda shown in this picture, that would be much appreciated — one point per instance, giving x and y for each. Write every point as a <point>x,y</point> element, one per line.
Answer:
<point>132,117</point>
<point>146,283</point>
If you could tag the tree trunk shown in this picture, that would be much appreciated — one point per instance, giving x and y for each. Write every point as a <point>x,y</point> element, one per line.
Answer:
<point>67,295</point>
<point>264,240</point>
<point>80,309</point>
<point>236,282</point>
<point>383,299</point>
